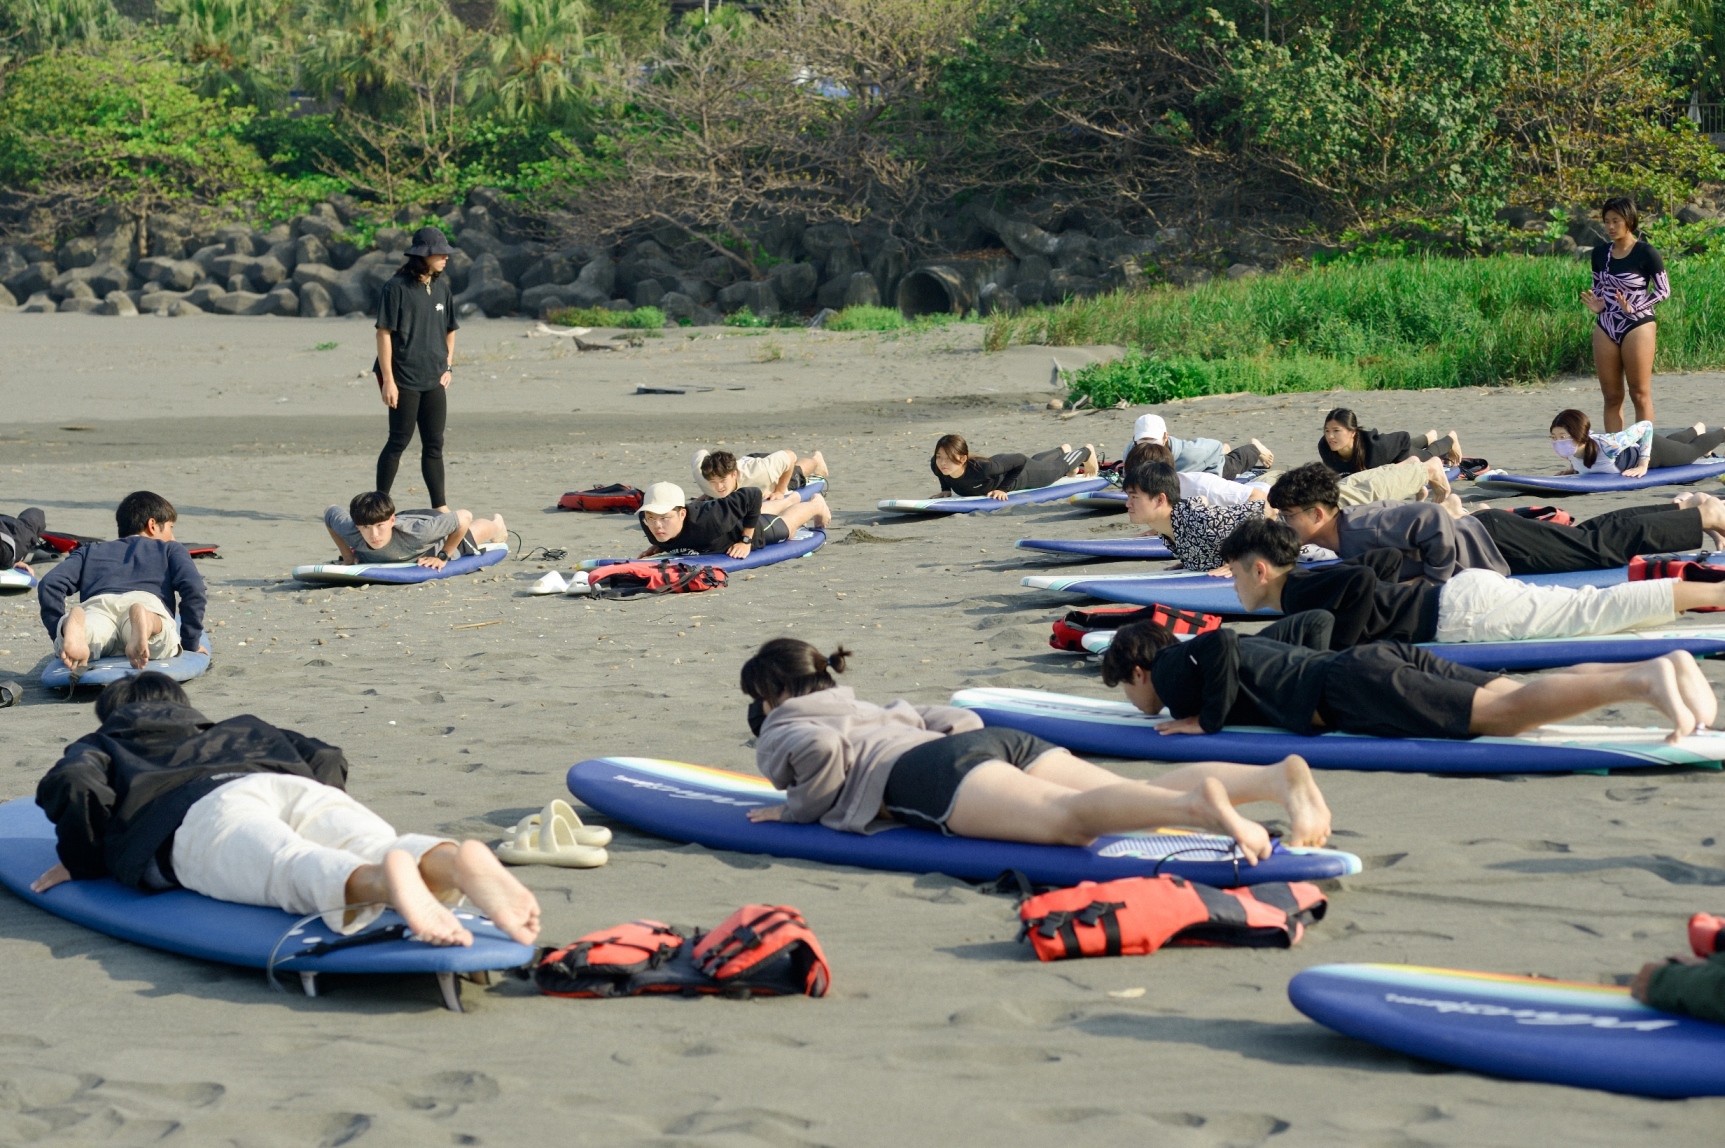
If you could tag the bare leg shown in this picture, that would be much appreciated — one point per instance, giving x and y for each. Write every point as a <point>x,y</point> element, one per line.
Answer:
<point>1454,456</point>
<point>1437,482</point>
<point>1507,711</point>
<point>1712,512</point>
<point>1697,595</point>
<point>399,884</point>
<point>814,466</point>
<point>475,870</point>
<point>797,513</point>
<point>1638,348</point>
<point>1265,454</point>
<point>145,624</point>
<point>485,530</point>
<point>1608,365</point>
<point>74,639</point>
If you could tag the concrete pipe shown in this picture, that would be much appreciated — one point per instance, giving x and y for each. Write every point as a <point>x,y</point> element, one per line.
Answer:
<point>951,286</point>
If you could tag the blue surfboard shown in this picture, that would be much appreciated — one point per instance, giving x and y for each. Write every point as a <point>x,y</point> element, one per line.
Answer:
<point>1601,483</point>
<point>182,667</point>
<point>803,543</point>
<point>1523,1028</point>
<point>16,581</point>
<point>399,573</point>
<point>1117,729</point>
<point>193,925</point>
<point>710,807</point>
<point>1148,548</point>
<point>1059,492</point>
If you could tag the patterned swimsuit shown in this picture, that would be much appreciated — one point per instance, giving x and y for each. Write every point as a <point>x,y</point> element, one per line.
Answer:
<point>1640,276</point>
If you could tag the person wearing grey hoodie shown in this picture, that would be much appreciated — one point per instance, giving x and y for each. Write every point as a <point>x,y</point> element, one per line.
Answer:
<point>850,764</point>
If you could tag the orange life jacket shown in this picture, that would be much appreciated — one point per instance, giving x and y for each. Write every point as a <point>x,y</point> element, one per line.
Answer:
<point>1135,916</point>
<point>1069,631</point>
<point>617,496</point>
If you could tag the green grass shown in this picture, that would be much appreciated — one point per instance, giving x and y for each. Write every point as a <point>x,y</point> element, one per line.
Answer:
<point>641,318</point>
<point>745,317</point>
<point>867,319</point>
<point>326,346</point>
<point>1393,324</point>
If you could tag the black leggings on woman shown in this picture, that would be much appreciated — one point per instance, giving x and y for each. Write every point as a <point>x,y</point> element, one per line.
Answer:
<point>1680,448</point>
<point>426,410</point>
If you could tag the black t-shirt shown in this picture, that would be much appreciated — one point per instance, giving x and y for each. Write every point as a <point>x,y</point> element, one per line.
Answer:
<point>1368,604</point>
<point>1371,449</point>
<point>418,317</point>
<point>1225,679</point>
<point>980,476</point>
<point>715,524</point>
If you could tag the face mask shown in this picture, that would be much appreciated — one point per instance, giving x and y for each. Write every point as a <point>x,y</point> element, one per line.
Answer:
<point>757,715</point>
<point>1565,447</point>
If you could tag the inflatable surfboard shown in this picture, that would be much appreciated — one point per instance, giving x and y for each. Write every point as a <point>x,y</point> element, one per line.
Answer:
<point>1546,653</point>
<point>1062,490</point>
<point>180,921</point>
<point>710,807</point>
<point>1600,483</point>
<point>16,581</point>
<point>800,544</point>
<point>1147,548</point>
<point>1523,1028</point>
<point>182,667</point>
<point>1117,729</point>
<point>399,573</point>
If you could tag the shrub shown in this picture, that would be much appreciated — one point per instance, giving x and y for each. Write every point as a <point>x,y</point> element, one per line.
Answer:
<point>867,319</point>
<point>745,317</point>
<point>641,318</point>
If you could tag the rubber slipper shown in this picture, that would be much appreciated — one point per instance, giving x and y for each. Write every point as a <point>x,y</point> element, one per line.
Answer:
<point>560,810</point>
<point>552,583</point>
<point>11,693</point>
<point>551,842</point>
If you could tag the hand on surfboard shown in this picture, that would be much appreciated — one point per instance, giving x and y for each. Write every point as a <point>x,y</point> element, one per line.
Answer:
<point>739,550</point>
<point>434,561</point>
<point>1636,471</point>
<point>1181,725</point>
<point>51,878</point>
<point>997,495</point>
<point>767,813</point>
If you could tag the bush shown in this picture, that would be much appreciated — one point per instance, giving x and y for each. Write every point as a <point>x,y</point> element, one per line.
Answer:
<point>641,318</point>
<point>867,319</point>
<point>745,317</point>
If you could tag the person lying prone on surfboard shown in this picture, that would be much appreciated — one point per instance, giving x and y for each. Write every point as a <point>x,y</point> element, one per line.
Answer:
<point>1207,455</point>
<point>1212,488</point>
<point>1370,605</point>
<point>735,524</point>
<point>775,474</point>
<point>846,763</point>
<point>161,797</point>
<point>129,591</point>
<point>1691,983</point>
<point>1193,527</point>
<point>19,537</point>
<point>966,475</point>
<point>1287,676</point>
<point>371,530</point>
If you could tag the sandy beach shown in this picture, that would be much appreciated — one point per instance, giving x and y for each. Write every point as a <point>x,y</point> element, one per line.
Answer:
<point>462,703</point>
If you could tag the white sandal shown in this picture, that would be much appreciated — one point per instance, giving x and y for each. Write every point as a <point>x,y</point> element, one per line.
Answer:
<point>552,842</point>
<point>559,810</point>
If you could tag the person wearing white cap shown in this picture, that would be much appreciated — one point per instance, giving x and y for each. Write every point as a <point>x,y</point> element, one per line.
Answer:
<point>1202,455</point>
<point>734,524</point>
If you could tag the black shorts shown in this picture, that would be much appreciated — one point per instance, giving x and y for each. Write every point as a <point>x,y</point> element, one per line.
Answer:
<point>1393,689</point>
<point>772,529</point>
<point>924,782</point>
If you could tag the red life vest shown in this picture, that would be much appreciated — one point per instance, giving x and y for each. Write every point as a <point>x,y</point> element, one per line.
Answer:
<point>1135,916</point>
<point>617,496</point>
<point>1069,631</point>
<point>1650,569</point>
<point>1555,515</point>
<point>636,579</point>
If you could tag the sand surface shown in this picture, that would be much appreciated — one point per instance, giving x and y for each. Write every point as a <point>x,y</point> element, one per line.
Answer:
<point>940,1029</point>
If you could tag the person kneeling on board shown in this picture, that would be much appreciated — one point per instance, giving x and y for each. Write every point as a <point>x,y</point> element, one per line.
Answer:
<point>966,475</point>
<point>19,537</point>
<point>371,530</point>
<point>846,763</point>
<point>129,591</point>
<point>735,524</point>
<point>161,797</point>
<point>1368,604</point>
<point>1202,455</point>
<point>775,473</point>
<point>1287,676</point>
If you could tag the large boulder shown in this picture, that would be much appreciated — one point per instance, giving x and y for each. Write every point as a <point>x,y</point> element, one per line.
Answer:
<point>494,297</point>
<point>206,256</point>
<point>832,292</point>
<point>695,288</point>
<point>119,303</point>
<point>320,224</point>
<point>889,265</point>
<point>238,239</point>
<point>38,304</point>
<point>116,243</point>
<point>204,296</point>
<point>677,305</point>
<point>309,249</point>
<point>796,283</point>
<point>281,300</point>
<point>457,270</point>
<point>553,268</point>
<point>34,279</point>
<point>718,270</point>
<point>757,295</point>
<point>7,300</point>
<point>159,302</point>
<point>996,299</point>
<point>183,308</point>
<point>268,271</point>
<point>834,247</point>
<point>172,274</point>
<point>862,291</point>
<point>100,278</point>
<point>315,301</point>
<point>12,263</point>
<point>1019,236</point>
<point>225,267</point>
<point>80,305</point>
<point>599,275</point>
<point>648,292</point>
<point>236,303</point>
<point>343,253</point>
<point>78,252</point>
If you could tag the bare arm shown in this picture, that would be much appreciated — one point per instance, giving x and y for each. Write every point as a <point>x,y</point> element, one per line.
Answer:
<point>386,369</point>
<point>449,357</point>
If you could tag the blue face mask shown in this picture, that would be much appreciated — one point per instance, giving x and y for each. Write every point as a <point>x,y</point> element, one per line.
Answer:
<point>1565,447</point>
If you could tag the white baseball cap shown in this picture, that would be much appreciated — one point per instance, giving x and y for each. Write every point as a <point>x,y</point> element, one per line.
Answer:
<point>1149,426</point>
<point>662,498</point>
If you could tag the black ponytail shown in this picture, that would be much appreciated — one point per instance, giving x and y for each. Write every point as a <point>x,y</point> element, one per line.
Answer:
<point>789,668</point>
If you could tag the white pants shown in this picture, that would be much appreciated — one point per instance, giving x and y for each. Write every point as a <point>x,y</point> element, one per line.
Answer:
<point>287,842</point>
<point>108,623</point>
<point>1484,606</point>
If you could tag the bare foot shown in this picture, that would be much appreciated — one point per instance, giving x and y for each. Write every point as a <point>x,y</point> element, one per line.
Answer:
<point>1266,455</point>
<point>1453,505</point>
<point>820,468</point>
<point>1697,692</point>
<point>1308,815</point>
<point>74,640</point>
<point>429,918</point>
<point>1437,482</point>
<point>1658,678</point>
<point>1212,809</point>
<point>138,635</point>
<point>494,889</point>
<point>1092,463</point>
<point>1454,455</point>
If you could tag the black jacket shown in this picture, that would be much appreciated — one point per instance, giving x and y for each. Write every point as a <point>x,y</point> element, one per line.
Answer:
<point>117,796</point>
<point>1366,600</point>
<point>712,525</point>
<point>1272,678</point>
<point>1370,449</point>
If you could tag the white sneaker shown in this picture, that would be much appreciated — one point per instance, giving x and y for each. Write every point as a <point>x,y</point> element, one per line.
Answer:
<point>552,583</point>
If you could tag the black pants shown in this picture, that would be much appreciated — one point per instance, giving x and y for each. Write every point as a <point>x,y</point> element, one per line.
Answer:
<point>1611,539</point>
<point>1241,459</point>
<point>1680,448</point>
<point>1425,448</point>
<point>25,532</point>
<point>426,410</point>
<point>1048,468</point>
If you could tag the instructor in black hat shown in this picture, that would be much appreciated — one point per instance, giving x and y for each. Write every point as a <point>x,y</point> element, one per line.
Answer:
<point>415,355</point>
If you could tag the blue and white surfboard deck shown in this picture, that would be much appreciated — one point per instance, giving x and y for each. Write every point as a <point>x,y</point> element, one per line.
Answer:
<point>193,925</point>
<point>400,573</point>
<point>1150,547</point>
<point>1523,1028</point>
<point>800,545</point>
<point>1546,653</point>
<point>1059,492</point>
<point>1117,729</point>
<point>182,667</point>
<point>1109,498</point>
<point>14,581</point>
<point>1601,483</point>
<point>810,488</point>
<point>710,807</point>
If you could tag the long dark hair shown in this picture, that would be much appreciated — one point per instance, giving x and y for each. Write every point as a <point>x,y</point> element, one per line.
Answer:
<point>954,447</point>
<point>1625,207</point>
<point>1349,421</point>
<point>418,267</point>
<point>148,686</point>
<point>789,668</point>
<point>1579,428</point>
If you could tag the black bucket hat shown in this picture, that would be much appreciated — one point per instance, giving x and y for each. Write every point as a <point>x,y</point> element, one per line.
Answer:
<point>430,241</point>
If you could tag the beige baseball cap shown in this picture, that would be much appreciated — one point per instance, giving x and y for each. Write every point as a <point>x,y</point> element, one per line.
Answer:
<point>662,498</point>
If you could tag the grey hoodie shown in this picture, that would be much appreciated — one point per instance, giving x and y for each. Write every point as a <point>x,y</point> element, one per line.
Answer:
<point>832,754</point>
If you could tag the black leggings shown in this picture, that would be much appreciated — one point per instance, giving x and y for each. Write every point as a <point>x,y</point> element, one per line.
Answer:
<point>1426,449</point>
<point>1680,448</point>
<point>1602,542</point>
<point>426,410</point>
<point>1240,460</point>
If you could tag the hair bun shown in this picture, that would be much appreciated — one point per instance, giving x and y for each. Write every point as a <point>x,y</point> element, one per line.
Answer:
<point>836,660</point>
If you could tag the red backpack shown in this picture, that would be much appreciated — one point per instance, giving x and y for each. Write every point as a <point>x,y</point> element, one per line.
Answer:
<point>760,950</point>
<point>1069,631</point>
<point>1135,916</point>
<point>617,496</point>
<point>638,579</point>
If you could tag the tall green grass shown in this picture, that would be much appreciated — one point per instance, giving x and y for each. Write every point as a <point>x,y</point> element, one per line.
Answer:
<point>1391,324</point>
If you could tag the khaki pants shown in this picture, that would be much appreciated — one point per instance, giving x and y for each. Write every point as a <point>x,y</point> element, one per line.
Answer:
<point>1398,482</point>
<point>108,621</point>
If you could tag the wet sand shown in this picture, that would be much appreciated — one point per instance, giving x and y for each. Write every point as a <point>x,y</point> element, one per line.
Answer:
<point>462,703</point>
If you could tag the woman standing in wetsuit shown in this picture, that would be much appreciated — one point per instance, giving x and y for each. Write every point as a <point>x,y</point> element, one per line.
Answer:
<point>415,355</point>
<point>1628,281</point>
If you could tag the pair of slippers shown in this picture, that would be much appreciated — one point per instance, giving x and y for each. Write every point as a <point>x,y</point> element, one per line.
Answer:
<point>554,583</point>
<point>11,693</point>
<point>555,836</point>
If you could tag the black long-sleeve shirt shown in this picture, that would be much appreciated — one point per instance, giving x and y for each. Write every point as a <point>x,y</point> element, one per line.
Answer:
<point>997,472</point>
<point>713,525</point>
<point>1372,448</point>
<point>1366,600</point>
<point>131,563</point>
<point>1273,678</point>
